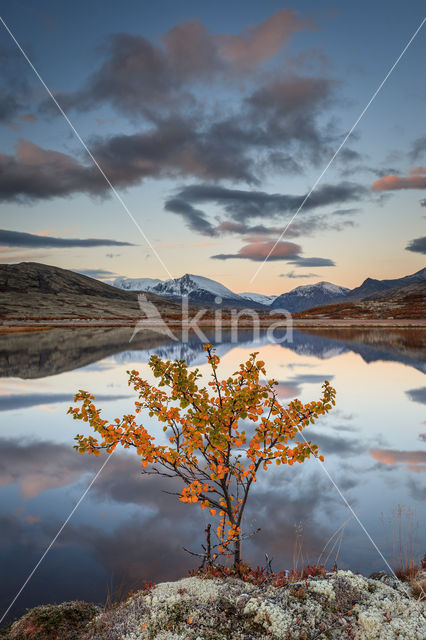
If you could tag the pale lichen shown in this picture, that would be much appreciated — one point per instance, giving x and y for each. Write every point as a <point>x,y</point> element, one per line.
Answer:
<point>341,605</point>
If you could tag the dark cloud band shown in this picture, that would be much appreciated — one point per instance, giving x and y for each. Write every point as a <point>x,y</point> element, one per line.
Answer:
<point>33,241</point>
<point>418,245</point>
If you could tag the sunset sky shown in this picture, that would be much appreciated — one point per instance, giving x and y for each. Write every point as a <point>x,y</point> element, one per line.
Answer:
<point>213,121</point>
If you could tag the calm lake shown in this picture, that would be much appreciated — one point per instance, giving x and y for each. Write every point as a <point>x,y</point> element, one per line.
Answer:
<point>127,530</point>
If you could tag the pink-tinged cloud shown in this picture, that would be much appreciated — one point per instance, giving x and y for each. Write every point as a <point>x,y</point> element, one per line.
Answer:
<point>260,250</point>
<point>31,154</point>
<point>287,390</point>
<point>257,43</point>
<point>28,117</point>
<point>414,460</point>
<point>32,519</point>
<point>416,468</point>
<point>415,180</point>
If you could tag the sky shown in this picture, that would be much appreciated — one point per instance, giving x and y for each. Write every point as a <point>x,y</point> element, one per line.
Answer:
<point>210,123</point>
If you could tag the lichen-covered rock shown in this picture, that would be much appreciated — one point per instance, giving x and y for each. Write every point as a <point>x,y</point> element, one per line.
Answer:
<point>341,605</point>
<point>66,621</point>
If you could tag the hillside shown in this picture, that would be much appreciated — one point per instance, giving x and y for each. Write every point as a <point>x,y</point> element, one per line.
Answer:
<point>372,287</point>
<point>308,296</point>
<point>395,303</point>
<point>30,290</point>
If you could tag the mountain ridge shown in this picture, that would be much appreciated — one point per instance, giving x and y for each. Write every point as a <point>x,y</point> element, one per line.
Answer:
<point>31,290</point>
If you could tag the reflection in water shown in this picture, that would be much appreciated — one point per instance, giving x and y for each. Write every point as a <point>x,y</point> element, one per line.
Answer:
<point>45,353</point>
<point>373,444</point>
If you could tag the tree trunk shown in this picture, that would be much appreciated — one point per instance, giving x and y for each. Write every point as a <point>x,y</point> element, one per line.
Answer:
<point>237,552</point>
<point>208,557</point>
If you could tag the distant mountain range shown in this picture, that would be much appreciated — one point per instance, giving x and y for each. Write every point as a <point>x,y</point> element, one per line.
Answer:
<point>32,290</point>
<point>200,291</point>
<point>205,291</point>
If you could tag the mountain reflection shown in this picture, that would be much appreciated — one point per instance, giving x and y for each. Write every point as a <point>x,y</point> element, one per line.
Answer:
<point>45,353</point>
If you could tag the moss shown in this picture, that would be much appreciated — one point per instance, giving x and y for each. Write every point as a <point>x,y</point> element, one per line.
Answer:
<point>65,621</point>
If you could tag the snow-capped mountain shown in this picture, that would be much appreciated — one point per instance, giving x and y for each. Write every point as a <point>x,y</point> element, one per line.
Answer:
<point>136,284</point>
<point>308,296</point>
<point>194,287</point>
<point>259,298</point>
<point>200,290</point>
<point>205,291</point>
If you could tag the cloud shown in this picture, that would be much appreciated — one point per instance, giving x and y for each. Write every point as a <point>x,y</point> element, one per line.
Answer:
<point>138,76</point>
<point>418,148</point>
<point>256,44</point>
<point>99,274</point>
<point>418,245</point>
<point>25,400</point>
<point>22,239</point>
<point>416,180</point>
<point>35,173</point>
<point>240,207</point>
<point>311,378</point>
<point>417,395</point>
<point>293,275</point>
<point>174,148</point>
<point>162,85</point>
<point>25,464</point>
<point>28,117</point>
<point>312,262</point>
<point>348,155</point>
<point>346,212</point>
<point>414,460</point>
<point>15,89</point>
<point>258,251</point>
<point>331,444</point>
<point>194,218</point>
<point>287,390</point>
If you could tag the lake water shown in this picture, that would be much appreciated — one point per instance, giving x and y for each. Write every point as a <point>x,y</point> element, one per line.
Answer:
<point>127,530</point>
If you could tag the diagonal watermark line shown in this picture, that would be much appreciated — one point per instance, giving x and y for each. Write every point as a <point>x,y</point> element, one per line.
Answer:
<point>90,154</point>
<point>326,471</point>
<point>330,162</point>
<point>86,491</point>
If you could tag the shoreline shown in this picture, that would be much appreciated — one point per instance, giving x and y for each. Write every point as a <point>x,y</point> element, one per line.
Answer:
<point>18,325</point>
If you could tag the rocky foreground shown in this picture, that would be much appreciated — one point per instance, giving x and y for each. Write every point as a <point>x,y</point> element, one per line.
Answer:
<point>341,605</point>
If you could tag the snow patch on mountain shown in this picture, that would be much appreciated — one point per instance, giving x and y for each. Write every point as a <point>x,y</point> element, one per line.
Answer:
<point>310,295</point>
<point>310,290</point>
<point>190,283</point>
<point>258,297</point>
<point>136,284</point>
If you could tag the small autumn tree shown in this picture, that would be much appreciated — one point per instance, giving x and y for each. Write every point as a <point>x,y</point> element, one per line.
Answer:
<point>208,449</point>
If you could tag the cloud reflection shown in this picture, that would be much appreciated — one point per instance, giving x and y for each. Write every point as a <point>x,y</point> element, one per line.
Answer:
<point>414,460</point>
